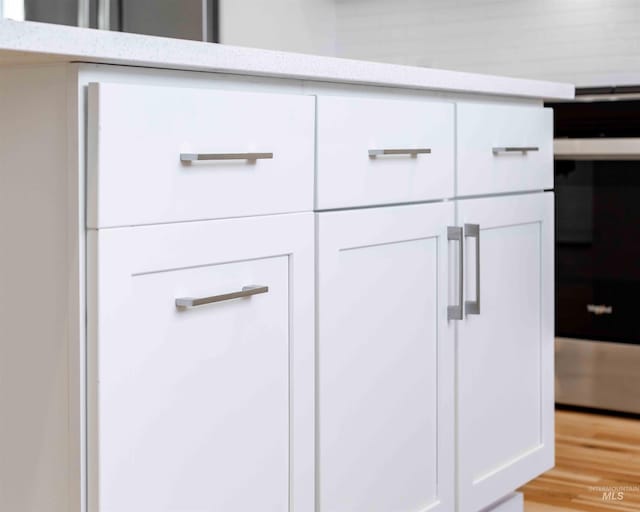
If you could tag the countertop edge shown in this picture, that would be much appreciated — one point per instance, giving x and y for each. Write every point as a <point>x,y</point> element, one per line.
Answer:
<point>96,46</point>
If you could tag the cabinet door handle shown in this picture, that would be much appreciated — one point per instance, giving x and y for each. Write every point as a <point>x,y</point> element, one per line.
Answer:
<point>454,233</point>
<point>247,291</point>
<point>410,151</point>
<point>515,149</point>
<point>472,307</point>
<point>193,157</point>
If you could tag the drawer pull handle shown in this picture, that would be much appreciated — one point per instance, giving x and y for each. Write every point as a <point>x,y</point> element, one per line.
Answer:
<point>247,291</point>
<point>194,157</point>
<point>412,152</point>
<point>515,149</point>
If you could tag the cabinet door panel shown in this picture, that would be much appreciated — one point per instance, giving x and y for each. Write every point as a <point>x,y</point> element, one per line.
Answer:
<point>193,406</point>
<point>505,353</point>
<point>385,383</point>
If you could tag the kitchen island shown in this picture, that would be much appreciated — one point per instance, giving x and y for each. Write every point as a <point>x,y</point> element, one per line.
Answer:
<point>236,279</point>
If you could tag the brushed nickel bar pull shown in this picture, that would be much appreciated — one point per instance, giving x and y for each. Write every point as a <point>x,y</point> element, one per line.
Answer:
<point>247,291</point>
<point>411,152</point>
<point>515,149</point>
<point>472,307</point>
<point>193,157</point>
<point>454,233</point>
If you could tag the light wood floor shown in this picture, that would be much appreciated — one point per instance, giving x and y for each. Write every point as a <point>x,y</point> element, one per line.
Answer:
<point>592,450</point>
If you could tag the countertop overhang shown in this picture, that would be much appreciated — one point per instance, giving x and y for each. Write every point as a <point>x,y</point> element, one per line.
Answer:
<point>30,42</point>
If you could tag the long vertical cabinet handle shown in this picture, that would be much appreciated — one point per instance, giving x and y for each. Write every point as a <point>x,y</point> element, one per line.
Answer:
<point>455,234</point>
<point>472,307</point>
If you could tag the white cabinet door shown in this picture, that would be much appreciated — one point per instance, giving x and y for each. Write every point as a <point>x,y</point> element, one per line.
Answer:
<point>206,408</point>
<point>505,353</point>
<point>385,360</point>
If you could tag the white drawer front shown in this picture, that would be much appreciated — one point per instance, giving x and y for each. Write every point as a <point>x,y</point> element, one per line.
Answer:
<point>191,406</point>
<point>137,135</point>
<point>503,149</point>
<point>349,128</point>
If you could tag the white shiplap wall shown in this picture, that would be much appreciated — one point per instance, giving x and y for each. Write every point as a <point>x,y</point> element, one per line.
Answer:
<point>303,26</point>
<point>587,42</point>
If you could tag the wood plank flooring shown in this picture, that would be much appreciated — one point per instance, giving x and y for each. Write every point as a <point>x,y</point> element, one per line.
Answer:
<point>595,455</point>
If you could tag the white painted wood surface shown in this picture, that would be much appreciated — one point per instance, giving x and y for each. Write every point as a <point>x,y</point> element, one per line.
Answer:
<point>385,360</point>
<point>137,134</point>
<point>347,128</point>
<point>481,128</point>
<point>505,354</point>
<point>191,410</point>
<point>512,503</point>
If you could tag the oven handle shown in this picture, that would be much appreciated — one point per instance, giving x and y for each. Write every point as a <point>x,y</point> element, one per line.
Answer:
<point>597,149</point>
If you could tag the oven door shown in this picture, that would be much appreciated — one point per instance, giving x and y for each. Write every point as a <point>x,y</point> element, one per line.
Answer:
<point>597,183</point>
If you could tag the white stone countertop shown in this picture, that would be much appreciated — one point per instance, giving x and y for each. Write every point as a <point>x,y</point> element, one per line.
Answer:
<point>26,42</point>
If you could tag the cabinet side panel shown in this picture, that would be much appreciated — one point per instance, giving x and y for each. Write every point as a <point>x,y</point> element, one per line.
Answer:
<point>35,283</point>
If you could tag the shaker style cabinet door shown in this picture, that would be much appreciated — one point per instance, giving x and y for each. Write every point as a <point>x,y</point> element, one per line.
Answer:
<point>505,347</point>
<point>385,428</point>
<point>201,366</point>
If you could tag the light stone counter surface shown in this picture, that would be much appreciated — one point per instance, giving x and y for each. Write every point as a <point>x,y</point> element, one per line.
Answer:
<point>25,42</point>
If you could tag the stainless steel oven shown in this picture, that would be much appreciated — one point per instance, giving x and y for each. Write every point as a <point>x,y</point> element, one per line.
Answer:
<point>597,184</point>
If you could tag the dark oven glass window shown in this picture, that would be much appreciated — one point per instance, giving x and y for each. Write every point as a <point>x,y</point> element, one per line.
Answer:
<point>598,250</point>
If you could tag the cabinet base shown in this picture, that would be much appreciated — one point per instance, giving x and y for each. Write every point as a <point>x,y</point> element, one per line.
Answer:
<point>512,503</point>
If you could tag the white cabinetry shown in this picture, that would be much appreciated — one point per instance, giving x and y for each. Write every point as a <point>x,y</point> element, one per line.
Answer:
<point>378,151</point>
<point>201,334</point>
<point>505,353</point>
<point>166,154</point>
<point>385,360</point>
<point>388,279</point>
<point>202,407</point>
<point>221,343</point>
<point>503,148</point>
